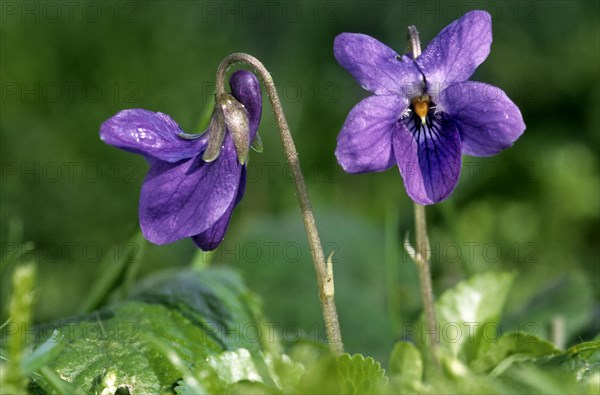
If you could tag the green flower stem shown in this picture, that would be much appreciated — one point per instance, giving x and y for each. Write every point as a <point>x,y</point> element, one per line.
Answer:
<point>323,269</point>
<point>421,256</point>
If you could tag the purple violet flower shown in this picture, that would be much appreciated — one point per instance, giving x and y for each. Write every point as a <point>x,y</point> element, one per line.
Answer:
<point>183,195</point>
<point>424,114</point>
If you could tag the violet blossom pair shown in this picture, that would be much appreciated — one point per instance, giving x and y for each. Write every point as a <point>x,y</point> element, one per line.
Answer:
<point>423,116</point>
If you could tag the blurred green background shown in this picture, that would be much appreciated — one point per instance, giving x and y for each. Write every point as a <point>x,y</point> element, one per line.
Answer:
<point>68,66</point>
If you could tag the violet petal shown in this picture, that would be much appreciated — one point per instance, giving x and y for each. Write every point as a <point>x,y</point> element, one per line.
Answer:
<point>210,239</point>
<point>242,187</point>
<point>376,67</point>
<point>430,167</point>
<point>457,50</point>
<point>487,120</point>
<point>365,142</point>
<point>213,236</point>
<point>184,199</point>
<point>152,134</point>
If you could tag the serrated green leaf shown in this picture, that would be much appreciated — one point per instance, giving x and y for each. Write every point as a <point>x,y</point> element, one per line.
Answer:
<point>406,366</point>
<point>344,375</point>
<point>470,312</point>
<point>191,315</point>
<point>523,345</point>
<point>183,388</point>
<point>360,375</point>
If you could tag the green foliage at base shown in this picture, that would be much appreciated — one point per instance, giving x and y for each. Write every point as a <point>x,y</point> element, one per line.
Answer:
<point>187,332</point>
<point>169,323</point>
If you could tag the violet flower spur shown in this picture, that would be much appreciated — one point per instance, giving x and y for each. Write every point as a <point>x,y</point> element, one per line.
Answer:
<point>187,193</point>
<point>424,114</point>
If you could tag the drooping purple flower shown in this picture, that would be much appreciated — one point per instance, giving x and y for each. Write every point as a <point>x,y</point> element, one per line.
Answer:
<point>184,195</point>
<point>424,114</point>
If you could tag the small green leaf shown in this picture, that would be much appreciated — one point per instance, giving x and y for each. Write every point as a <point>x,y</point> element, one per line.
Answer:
<point>406,363</point>
<point>469,313</point>
<point>525,346</point>
<point>343,375</point>
<point>286,373</point>
<point>360,375</point>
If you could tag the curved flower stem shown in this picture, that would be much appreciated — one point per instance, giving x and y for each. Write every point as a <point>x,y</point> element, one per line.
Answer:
<point>421,257</point>
<point>323,270</point>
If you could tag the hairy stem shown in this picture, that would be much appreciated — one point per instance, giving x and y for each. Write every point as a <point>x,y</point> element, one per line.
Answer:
<point>323,269</point>
<point>422,260</point>
<point>421,257</point>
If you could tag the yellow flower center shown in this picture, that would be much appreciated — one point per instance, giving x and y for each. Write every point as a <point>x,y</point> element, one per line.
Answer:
<point>421,107</point>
